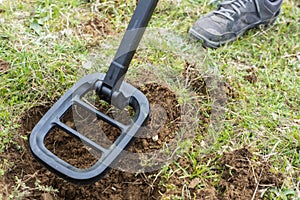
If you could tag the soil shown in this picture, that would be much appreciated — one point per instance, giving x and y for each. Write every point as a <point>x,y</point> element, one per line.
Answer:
<point>244,176</point>
<point>212,88</point>
<point>4,66</point>
<point>251,75</point>
<point>115,184</point>
<point>241,175</point>
<point>98,27</point>
<point>204,86</point>
<point>193,79</point>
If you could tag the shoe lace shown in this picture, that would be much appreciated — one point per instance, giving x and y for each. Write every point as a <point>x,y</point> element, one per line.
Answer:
<point>230,7</point>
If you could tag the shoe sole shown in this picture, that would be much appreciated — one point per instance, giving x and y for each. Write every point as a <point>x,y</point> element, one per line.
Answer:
<point>212,44</point>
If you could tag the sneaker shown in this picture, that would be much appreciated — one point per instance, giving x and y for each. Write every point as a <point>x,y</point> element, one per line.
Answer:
<point>232,18</point>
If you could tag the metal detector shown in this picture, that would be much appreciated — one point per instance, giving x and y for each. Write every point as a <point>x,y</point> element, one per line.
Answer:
<point>111,88</point>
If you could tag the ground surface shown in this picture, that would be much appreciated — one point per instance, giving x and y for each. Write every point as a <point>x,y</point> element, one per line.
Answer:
<point>242,175</point>
<point>232,113</point>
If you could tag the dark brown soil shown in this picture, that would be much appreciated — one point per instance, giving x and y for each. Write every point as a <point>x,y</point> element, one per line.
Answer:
<point>241,175</point>
<point>114,185</point>
<point>210,85</point>
<point>4,66</point>
<point>244,175</point>
<point>98,27</point>
<point>193,78</point>
<point>251,75</point>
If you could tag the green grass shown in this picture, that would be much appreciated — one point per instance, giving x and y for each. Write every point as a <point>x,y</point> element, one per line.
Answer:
<point>44,44</point>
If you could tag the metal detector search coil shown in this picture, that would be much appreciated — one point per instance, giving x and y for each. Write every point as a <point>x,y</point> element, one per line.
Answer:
<point>52,118</point>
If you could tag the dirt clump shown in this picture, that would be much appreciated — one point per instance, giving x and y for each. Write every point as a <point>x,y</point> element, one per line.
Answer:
<point>97,27</point>
<point>251,75</point>
<point>166,108</point>
<point>29,178</point>
<point>208,84</point>
<point>193,78</point>
<point>4,66</point>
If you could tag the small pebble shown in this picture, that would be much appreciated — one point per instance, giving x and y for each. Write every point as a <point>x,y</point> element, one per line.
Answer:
<point>155,138</point>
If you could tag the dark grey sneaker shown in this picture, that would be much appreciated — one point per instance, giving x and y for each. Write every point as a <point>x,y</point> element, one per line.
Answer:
<point>232,18</point>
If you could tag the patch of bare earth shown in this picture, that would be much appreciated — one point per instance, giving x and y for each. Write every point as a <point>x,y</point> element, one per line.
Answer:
<point>96,29</point>
<point>208,84</point>
<point>241,175</point>
<point>245,175</point>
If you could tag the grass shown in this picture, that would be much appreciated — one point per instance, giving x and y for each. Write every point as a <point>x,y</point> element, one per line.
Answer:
<point>45,44</point>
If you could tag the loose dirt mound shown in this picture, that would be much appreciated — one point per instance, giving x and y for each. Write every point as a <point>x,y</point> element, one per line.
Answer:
<point>240,175</point>
<point>244,175</point>
<point>208,84</point>
<point>114,185</point>
<point>97,27</point>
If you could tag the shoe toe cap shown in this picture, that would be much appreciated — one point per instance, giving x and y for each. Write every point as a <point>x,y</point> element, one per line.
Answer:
<point>210,31</point>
